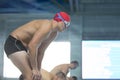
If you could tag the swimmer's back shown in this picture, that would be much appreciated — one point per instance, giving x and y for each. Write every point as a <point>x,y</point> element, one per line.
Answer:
<point>25,32</point>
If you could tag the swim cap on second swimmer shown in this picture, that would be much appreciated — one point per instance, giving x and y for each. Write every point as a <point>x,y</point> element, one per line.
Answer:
<point>63,16</point>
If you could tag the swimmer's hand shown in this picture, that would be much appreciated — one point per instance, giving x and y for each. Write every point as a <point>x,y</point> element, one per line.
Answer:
<point>36,75</point>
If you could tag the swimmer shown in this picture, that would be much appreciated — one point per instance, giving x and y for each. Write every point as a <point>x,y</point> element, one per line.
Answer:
<point>62,69</point>
<point>25,46</point>
<point>49,76</point>
<point>65,69</point>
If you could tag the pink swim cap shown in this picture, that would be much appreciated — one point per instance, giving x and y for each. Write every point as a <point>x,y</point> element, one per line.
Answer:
<point>62,16</point>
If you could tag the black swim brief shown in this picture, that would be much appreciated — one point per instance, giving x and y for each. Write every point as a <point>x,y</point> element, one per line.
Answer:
<point>13,45</point>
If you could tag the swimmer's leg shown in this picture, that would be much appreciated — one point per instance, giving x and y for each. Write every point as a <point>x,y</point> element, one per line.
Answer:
<point>21,61</point>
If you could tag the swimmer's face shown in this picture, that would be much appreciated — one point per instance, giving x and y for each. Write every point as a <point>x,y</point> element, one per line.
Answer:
<point>61,26</point>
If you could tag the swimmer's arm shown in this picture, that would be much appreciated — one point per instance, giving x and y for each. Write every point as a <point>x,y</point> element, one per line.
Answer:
<point>33,46</point>
<point>44,46</point>
<point>63,67</point>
